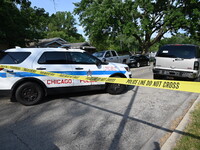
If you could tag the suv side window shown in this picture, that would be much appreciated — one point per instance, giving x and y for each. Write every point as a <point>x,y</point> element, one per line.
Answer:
<point>13,57</point>
<point>54,58</point>
<point>82,58</point>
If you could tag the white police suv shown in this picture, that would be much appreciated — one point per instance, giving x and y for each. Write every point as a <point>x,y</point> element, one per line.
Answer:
<point>29,88</point>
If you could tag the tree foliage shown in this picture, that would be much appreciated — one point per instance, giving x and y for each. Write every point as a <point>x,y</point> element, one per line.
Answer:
<point>136,22</point>
<point>22,24</point>
<point>179,39</point>
<point>62,24</point>
<point>192,13</point>
<point>176,39</point>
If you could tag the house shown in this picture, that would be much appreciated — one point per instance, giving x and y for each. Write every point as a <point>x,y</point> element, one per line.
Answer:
<point>52,42</point>
<point>59,42</point>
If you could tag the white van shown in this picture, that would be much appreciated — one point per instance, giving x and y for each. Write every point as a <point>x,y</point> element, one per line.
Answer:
<point>177,61</point>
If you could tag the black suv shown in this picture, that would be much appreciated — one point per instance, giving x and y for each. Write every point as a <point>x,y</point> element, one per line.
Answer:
<point>139,60</point>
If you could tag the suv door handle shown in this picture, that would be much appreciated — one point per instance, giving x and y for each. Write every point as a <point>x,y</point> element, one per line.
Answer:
<point>41,68</point>
<point>79,68</point>
<point>9,71</point>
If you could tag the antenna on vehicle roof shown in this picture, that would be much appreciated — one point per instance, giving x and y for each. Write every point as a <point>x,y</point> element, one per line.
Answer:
<point>17,47</point>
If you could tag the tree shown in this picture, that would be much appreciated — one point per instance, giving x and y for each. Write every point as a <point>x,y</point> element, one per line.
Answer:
<point>36,19</point>
<point>20,24</point>
<point>144,21</point>
<point>62,24</point>
<point>178,39</point>
<point>192,12</point>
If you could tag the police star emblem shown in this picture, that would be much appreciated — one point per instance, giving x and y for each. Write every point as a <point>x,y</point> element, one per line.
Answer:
<point>89,73</point>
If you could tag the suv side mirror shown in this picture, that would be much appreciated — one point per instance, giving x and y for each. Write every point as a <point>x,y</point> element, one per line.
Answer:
<point>104,60</point>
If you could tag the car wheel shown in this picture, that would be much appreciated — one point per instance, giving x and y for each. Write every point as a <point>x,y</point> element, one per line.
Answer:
<point>124,61</point>
<point>113,88</point>
<point>131,65</point>
<point>29,93</point>
<point>138,65</point>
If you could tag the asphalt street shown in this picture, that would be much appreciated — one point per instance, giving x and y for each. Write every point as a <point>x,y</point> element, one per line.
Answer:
<point>141,118</point>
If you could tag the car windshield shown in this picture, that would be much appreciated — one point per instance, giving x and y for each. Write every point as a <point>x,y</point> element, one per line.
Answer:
<point>98,54</point>
<point>134,57</point>
<point>185,52</point>
<point>13,57</point>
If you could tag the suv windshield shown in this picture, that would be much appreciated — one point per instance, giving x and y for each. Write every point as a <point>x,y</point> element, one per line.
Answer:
<point>185,52</point>
<point>13,57</point>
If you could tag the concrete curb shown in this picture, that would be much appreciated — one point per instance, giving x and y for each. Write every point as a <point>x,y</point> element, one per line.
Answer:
<point>171,141</point>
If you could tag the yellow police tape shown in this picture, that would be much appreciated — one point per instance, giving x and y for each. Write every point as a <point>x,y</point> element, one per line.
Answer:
<point>163,84</point>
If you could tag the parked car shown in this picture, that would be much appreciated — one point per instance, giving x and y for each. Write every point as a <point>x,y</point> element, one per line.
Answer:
<point>29,88</point>
<point>139,60</point>
<point>177,60</point>
<point>112,56</point>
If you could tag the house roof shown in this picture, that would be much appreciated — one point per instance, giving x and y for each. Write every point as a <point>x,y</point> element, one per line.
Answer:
<point>77,45</point>
<point>59,42</point>
<point>46,42</point>
<point>85,46</point>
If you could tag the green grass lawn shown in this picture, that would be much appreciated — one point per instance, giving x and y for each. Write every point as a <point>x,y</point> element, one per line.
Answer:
<point>188,142</point>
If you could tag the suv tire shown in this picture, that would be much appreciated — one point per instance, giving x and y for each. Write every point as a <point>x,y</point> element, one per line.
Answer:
<point>29,93</point>
<point>113,88</point>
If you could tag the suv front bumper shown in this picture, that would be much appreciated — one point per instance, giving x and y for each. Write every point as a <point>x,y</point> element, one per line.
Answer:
<point>176,73</point>
<point>5,93</point>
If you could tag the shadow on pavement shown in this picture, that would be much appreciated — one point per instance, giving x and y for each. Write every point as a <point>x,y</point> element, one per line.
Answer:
<point>75,94</point>
<point>18,122</point>
<point>119,132</point>
<point>125,117</point>
<point>157,146</point>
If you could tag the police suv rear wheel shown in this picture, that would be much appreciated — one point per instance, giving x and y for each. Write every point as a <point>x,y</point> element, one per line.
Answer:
<point>113,88</point>
<point>29,93</point>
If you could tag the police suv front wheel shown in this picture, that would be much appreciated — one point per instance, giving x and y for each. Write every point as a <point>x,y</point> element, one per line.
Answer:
<point>113,88</point>
<point>29,93</point>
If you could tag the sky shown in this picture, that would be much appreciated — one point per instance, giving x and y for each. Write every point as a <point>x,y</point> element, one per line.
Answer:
<point>52,6</point>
